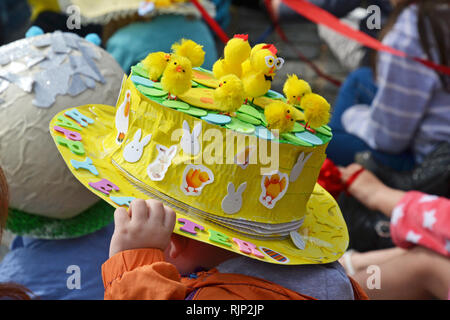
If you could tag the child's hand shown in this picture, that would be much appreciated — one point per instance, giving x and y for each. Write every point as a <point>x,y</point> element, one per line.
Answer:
<point>147,224</point>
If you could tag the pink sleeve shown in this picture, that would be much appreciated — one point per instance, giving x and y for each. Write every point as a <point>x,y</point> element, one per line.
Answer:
<point>422,219</point>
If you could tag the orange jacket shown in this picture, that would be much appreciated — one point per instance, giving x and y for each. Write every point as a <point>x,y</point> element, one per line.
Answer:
<point>142,274</point>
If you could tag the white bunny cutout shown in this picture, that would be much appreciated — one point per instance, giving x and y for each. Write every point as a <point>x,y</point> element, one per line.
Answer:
<point>133,151</point>
<point>158,168</point>
<point>232,202</point>
<point>189,141</point>
<point>298,167</point>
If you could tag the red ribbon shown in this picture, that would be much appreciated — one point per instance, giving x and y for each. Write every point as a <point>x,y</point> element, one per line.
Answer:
<point>320,16</point>
<point>211,22</point>
<point>330,178</point>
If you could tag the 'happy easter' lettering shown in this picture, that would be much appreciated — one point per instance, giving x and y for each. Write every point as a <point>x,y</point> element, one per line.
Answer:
<point>248,248</point>
<point>75,147</point>
<point>190,226</point>
<point>86,164</point>
<point>219,237</point>
<point>79,117</point>
<point>105,186</point>
<point>72,135</point>
<point>67,123</point>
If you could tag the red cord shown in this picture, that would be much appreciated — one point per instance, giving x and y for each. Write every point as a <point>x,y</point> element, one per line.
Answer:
<point>352,179</point>
<point>211,22</point>
<point>321,16</point>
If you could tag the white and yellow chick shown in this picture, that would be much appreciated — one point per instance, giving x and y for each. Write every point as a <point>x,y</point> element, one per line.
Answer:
<point>177,76</point>
<point>229,95</point>
<point>263,65</point>
<point>236,51</point>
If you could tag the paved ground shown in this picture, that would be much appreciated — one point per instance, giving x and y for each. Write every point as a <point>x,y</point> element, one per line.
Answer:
<point>254,22</point>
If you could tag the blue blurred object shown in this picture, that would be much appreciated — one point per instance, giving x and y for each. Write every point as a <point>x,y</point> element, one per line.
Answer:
<point>34,31</point>
<point>359,88</point>
<point>222,12</point>
<point>94,38</point>
<point>134,42</point>
<point>67,269</point>
<point>14,20</point>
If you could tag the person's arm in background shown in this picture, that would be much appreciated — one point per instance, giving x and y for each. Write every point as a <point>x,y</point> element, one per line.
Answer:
<point>416,218</point>
<point>404,90</point>
<point>370,191</point>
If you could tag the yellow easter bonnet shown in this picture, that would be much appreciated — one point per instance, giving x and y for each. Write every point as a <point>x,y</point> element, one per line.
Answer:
<point>232,182</point>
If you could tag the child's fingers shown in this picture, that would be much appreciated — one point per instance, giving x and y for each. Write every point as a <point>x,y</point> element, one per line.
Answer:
<point>169,218</point>
<point>156,212</point>
<point>121,217</point>
<point>139,211</point>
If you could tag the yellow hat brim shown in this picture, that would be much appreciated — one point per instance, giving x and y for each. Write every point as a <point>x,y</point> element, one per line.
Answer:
<point>323,231</point>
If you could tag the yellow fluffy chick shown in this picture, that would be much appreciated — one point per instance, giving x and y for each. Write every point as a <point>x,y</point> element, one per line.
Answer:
<point>316,110</point>
<point>191,50</point>
<point>236,51</point>
<point>246,64</point>
<point>229,95</point>
<point>295,89</point>
<point>281,116</point>
<point>263,64</point>
<point>177,76</point>
<point>155,63</point>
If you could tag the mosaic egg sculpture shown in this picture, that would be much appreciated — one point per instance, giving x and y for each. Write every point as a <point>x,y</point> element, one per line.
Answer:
<point>39,77</point>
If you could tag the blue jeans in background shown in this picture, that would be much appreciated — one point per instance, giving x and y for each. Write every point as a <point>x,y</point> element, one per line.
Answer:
<point>359,88</point>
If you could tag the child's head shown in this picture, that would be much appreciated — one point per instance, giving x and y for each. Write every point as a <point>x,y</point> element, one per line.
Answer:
<point>189,254</point>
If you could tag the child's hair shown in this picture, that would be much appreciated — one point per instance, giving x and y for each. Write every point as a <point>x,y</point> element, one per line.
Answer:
<point>433,24</point>
<point>9,290</point>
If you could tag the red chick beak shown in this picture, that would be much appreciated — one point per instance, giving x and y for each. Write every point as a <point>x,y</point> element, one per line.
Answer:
<point>288,116</point>
<point>220,84</point>
<point>179,68</point>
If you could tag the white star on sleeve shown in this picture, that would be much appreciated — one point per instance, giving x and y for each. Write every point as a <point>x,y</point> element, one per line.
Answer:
<point>413,237</point>
<point>397,214</point>
<point>429,219</point>
<point>428,198</point>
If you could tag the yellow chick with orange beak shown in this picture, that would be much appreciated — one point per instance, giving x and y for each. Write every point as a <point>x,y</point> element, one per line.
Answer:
<point>229,95</point>
<point>177,76</point>
<point>295,89</point>
<point>281,116</point>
